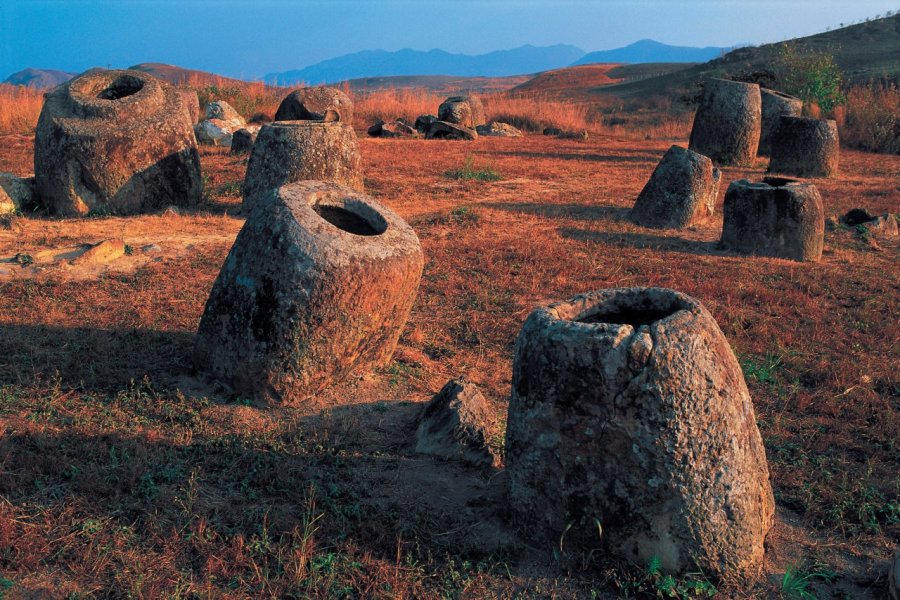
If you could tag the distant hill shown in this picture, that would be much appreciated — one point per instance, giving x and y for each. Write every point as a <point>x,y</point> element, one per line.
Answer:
<point>39,78</point>
<point>571,83</point>
<point>439,84</point>
<point>180,75</point>
<point>380,63</point>
<point>651,51</point>
<point>864,51</point>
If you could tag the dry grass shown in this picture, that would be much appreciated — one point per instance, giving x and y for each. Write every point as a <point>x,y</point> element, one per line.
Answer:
<point>870,120</point>
<point>123,473</point>
<point>20,108</point>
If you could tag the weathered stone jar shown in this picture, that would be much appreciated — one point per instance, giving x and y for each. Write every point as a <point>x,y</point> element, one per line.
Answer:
<point>630,429</point>
<point>288,151</point>
<point>777,217</point>
<point>115,141</point>
<point>467,111</point>
<point>316,104</point>
<point>681,191</point>
<point>805,147</point>
<point>774,106</point>
<point>727,124</point>
<point>320,282</point>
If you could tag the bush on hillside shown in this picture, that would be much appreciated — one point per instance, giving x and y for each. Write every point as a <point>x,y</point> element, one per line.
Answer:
<point>810,75</point>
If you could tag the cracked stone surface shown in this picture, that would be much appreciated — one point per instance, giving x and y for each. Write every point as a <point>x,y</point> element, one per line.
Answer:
<point>631,430</point>
<point>319,283</point>
<point>289,151</point>
<point>115,141</point>
<point>728,122</point>
<point>467,111</point>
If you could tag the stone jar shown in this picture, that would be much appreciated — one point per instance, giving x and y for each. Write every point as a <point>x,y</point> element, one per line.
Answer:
<point>681,191</point>
<point>805,147</point>
<point>774,106</point>
<point>728,121</point>
<point>316,104</point>
<point>115,141</point>
<point>288,151</point>
<point>777,217</point>
<point>631,430</point>
<point>467,111</point>
<point>320,282</point>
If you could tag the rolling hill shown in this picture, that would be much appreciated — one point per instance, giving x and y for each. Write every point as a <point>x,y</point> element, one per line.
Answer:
<point>39,78</point>
<point>651,51</point>
<point>380,63</point>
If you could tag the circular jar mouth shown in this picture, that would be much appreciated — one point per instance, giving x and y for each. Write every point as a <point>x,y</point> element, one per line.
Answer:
<point>348,214</point>
<point>627,306</point>
<point>778,181</point>
<point>121,87</point>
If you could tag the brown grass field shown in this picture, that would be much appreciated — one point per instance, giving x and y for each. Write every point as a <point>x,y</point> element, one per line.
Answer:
<point>123,473</point>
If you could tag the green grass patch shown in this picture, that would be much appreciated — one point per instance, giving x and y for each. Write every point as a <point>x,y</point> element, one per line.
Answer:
<point>468,172</point>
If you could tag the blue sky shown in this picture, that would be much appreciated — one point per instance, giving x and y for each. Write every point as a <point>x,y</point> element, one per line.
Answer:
<point>249,39</point>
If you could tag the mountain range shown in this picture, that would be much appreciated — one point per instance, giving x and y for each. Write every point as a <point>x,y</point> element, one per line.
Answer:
<point>651,51</point>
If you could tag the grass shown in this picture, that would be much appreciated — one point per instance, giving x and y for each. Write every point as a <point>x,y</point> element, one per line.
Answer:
<point>20,108</point>
<point>125,473</point>
<point>468,172</point>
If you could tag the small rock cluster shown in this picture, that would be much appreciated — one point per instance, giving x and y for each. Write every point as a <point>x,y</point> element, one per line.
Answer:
<point>220,124</point>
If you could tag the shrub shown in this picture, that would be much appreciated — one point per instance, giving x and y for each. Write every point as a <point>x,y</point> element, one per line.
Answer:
<point>812,76</point>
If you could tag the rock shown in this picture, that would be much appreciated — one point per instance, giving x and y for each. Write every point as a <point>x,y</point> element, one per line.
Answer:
<point>216,132</point>
<point>242,141</point>
<point>151,249</point>
<point>316,104</point>
<point>441,130</point>
<point>16,193</point>
<point>631,430</point>
<point>776,217</point>
<point>498,129</point>
<point>221,110</point>
<point>319,282</point>
<point>884,226</point>
<point>805,147</point>
<point>462,110</point>
<point>774,105</point>
<point>423,123</point>
<point>455,424</point>
<point>894,578</point>
<point>728,121</point>
<point>857,216</point>
<point>397,128</point>
<point>102,252</point>
<point>191,104</point>
<point>681,191</point>
<point>552,131</point>
<point>115,141</point>
<point>288,151</point>
<point>573,135</point>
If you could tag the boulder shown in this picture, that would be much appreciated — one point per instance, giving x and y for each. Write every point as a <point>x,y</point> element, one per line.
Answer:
<point>319,283</point>
<point>631,430</point>
<point>191,104</point>
<point>288,151</point>
<point>776,217</point>
<point>316,104</point>
<point>455,424</point>
<point>884,226</point>
<point>242,140</point>
<point>498,129</point>
<point>775,105</point>
<point>423,123</point>
<point>101,252</point>
<point>116,141</point>
<point>462,110</point>
<point>857,216</point>
<point>216,132</point>
<point>16,193</point>
<point>219,109</point>
<point>441,130</point>
<point>393,129</point>
<point>728,121</point>
<point>681,191</point>
<point>805,147</point>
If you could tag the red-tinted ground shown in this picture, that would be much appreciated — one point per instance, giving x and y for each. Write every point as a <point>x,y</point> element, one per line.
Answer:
<point>122,472</point>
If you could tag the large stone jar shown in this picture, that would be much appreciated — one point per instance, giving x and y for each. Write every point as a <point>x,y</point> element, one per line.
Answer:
<point>117,142</point>
<point>467,111</point>
<point>320,282</point>
<point>316,104</point>
<point>288,151</point>
<point>774,106</point>
<point>805,147</point>
<point>631,430</point>
<point>777,217</point>
<point>728,121</point>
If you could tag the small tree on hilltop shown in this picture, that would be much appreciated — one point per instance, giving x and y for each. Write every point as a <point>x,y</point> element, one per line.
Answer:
<point>810,75</point>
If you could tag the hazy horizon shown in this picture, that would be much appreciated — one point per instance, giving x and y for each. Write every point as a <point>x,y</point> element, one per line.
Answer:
<point>245,40</point>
